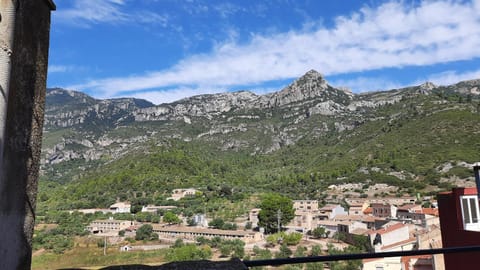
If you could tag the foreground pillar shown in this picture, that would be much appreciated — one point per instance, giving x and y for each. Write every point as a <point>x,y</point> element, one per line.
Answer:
<point>24,46</point>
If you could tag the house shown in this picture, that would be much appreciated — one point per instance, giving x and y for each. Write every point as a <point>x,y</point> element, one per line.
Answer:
<point>394,237</point>
<point>329,211</point>
<point>369,221</point>
<point>180,193</point>
<point>349,226</point>
<point>305,205</point>
<point>302,221</point>
<point>200,220</point>
<point>109,225</point>
<point>417,215</point>
<point>384,210</point>
<point>357,207</point>
<point>125,248</point>
<point>120,207</point>
<point>331,227</point>
<point>91,211</point>
<point>459,220</point>
<point>419,262</point>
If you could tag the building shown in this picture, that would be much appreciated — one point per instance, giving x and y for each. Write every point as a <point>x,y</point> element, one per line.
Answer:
<point>384,210</point>
<point>460,224</point>
<point>394,237</point>
<point>200,220</point>
<point>329,211</point>
<point>191,233</point>
<point>305,205</point>
<point>109,225</point>
<point>180,193</point>
<point>358,209</point>
<point>120,207</point>
<point>417,215</point>
<point>154,208</point>
<point>302,221</point>
<point>369,221</point>
<point>331,227</point>
<point>349,226</point>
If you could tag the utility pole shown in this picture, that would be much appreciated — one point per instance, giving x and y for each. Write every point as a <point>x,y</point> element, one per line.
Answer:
<point>279,219</point>
<point>24,44</point>
<point>105,245</point>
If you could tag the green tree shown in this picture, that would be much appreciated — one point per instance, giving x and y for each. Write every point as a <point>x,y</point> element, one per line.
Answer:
<point>216,223</point>
<point>145,232</point>
<point>275,207</point>
<point>314,266</point>
<point>316,250</point>
<point>170,218</point>
<point>318,232</point>
<point>284,252</point>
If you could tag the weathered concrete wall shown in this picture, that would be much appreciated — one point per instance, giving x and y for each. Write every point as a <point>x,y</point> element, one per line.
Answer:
<point>25,110</point>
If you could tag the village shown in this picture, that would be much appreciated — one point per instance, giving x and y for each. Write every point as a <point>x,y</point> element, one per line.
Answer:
<point>386,223</point>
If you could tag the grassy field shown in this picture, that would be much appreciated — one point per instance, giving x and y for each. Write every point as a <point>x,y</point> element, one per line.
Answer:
<point>93,258</point>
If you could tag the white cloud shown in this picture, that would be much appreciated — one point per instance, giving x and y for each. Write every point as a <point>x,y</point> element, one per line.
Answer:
<point>84,13</point>
<point>452,77</point>
<point>394,34</point>
<point>57,68</point>
<point>64,68</point>
<point>367,84</point>
<point>167,96</point>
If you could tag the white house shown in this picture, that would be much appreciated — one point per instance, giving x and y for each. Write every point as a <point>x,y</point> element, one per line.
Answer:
<point>120,207</point>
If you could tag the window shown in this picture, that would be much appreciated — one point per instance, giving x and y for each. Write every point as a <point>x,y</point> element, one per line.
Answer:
<point>470,214</point>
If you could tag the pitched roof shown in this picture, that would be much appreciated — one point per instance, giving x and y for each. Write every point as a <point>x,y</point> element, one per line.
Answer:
<point>400,243</point>
<point>388,229</point>
<point>430,211</point>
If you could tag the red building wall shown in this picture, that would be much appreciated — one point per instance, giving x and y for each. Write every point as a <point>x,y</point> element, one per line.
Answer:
<point>453,234</point>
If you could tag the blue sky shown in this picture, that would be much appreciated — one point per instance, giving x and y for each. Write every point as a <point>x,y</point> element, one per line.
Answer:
<point>165,50</point>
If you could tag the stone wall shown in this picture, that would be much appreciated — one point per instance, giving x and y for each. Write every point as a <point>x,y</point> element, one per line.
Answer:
<point>25,110</point>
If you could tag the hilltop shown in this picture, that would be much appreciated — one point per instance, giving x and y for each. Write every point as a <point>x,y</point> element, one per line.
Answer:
<point>305,136</point>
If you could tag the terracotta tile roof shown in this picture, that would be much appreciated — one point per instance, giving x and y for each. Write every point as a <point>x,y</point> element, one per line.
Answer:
<point>405,260</point>
<point>388,229</point>
<point>430,211</point>
<point>369,210</point>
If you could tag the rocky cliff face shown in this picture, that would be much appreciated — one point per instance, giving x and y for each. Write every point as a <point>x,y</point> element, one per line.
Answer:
<point>66,108</point>
<point>81,128</point>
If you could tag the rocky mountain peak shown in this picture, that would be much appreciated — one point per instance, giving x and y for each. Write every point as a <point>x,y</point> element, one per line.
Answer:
<point>313,75</point>
<point>311,85</point>
<point>428,86</point>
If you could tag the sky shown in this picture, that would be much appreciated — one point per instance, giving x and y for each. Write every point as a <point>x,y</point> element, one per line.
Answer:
<point>166,50</point>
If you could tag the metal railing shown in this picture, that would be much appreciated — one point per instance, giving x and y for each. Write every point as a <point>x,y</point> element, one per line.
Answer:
<point>359,256</point>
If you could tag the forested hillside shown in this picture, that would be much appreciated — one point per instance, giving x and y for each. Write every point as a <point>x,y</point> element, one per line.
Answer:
<point>297,141</point>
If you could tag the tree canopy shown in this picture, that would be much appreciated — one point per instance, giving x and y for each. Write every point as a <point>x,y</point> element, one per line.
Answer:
<point>275,207</point>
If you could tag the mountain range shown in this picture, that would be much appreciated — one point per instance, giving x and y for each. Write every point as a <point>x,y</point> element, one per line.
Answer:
<point>308,134</point>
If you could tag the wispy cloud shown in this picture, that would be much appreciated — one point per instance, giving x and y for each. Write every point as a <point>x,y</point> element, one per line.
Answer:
<point>84,13</point>
<point>367,84</point>
<point>64,68</point>
<point>395,34</point>
<point>451,77</point>
<point>170,95</point>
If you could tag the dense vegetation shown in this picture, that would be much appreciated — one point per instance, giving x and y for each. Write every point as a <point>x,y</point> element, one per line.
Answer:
<point>420,137</point>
